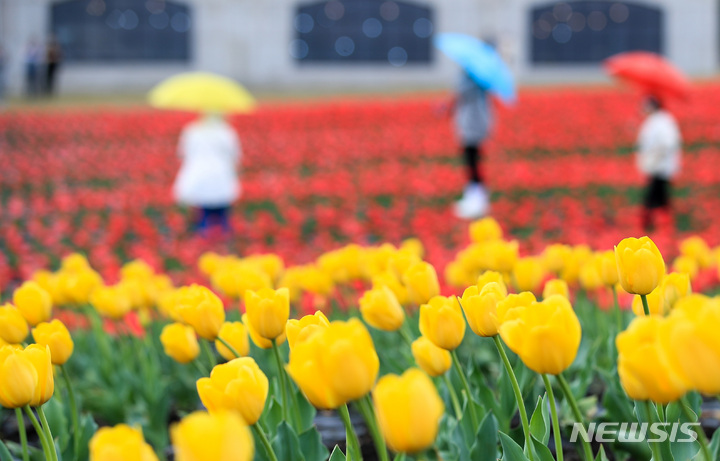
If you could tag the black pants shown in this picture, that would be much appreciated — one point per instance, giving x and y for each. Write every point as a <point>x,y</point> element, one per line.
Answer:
<point>472,156</point>
<point>51,71</point>
<point>657,193</point>
<point>216,215</point>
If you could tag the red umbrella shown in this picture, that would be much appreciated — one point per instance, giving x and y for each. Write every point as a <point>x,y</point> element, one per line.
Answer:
<point>650,72</point>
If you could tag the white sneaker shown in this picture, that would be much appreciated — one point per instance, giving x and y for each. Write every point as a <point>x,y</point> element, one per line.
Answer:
<point>474,203</point>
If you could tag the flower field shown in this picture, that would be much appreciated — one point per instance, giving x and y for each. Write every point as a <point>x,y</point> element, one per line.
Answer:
<point>350,315</point>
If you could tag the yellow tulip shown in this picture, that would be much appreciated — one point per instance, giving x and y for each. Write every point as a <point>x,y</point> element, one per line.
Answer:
<point>557,287</point>
<point>456,275</point>
<point>300,330</point>
<point>234,279</point>
<point>221,436</point>
<point>270,264</point>
<point>508,308</point>
<point>555,257</point>
<point>78,286</point>
<point>655,301</point>
<point>697,249</point>
<point>408,410</point>
<point>686,265</point>
<point>690,341</point>
<point>693,303</point>
<point>380,309</point>
<point>577,258</point>
<point>111,301</point>
<point>414,246</point>
<point>33,302</point>
<point>502,255</point>
<point>39,356</point>
<point>442,322</point>
<point>120,442</point>
<point>401,260</point>
<point>268,311</point>
<point>640,265</point>
<point>235,334</point>
<point>179,342</point>
<point>238,385</point>
<point>492,276</point>
<point>433,360</point>
<point>200,308</point>
<point>545,335</point>
<point>74,262</point>
<point>335,365</point>
<point>18,378</point>
<point>528,274</point>
<point>390,280</point>
<point>644,369</point>
<point>422,282</point>
<point>209,262</point>
<point>590,276</point>
<point>480,307</point>
<point>607,268</point>
<point>13,326</point>
<point>485,229</point>
<point>675,286</point>
<point>258,340</point>
<point>56,337</point>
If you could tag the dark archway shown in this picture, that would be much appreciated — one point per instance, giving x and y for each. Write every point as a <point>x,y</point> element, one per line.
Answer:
<point>122,30</point>
<point>590,31</point>
<point>392,32</point>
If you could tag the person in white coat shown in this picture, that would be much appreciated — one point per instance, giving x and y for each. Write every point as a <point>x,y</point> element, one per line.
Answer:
<point>208,180</point>
<point>658,156</point>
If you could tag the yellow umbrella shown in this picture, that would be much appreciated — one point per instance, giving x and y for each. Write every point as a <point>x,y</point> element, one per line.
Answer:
<point>201,92</point>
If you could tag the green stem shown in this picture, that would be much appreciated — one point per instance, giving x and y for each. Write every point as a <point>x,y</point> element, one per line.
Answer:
<point>208,353</point>
<point>518,394</point>
<point>453,397</point>
<point>685,405</point>
<point>466,387</point>
<point>405,335</point>
<point>201,368</point>
<point>23,435</point>
<point>281,378</point>
<point>48,433</point>
<point>40,433</point>
<point>260,434</point>
<point>232,349</point>
<point>654,447</point>
<point>661,412</point>
<point>618,312</point>
<point>368,412</point>
<point>646,307</point>
<point>555,422</point>
<point>73,411</point>
<point>352,447</point>
<point>567,392</point>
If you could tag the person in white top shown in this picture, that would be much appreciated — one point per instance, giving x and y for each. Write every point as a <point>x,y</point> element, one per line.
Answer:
<point>210,151</point>
<point>658,156</point>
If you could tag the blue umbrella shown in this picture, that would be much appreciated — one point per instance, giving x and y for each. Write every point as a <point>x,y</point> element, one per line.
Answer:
<point>481,62</point>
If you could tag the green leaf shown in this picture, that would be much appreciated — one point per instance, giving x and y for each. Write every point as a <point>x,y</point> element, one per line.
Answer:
<point>312,446</point>
<point>286,444</point>
<point>540,421</point>
<point>654,418</point>
<point>511,450</point>
<point>272,416</point>
<point>601,455</point>
<point>485,446</point>
<point>337,455</point>
<point>5,453</point>
<point>307,411</point>
<point>36,454</point>
<point>59,424</point>
<point>542,452</point>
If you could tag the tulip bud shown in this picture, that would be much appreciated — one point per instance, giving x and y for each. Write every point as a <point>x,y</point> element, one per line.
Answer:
<point>545,335</point>
<point>235,334</point>
<point>120,442</point>
<point>18,378</point>
<point>221,436</point>
<point>13,326</point>
<point>238,385</point>
<point>485,229</point>
<point>607,268</point>
<point>528,274</point>
<point>413,246</point>
<point>56,337</point>
<point>209,262</point>
<point>557,287</point>
<point>399,402</point>
<point>401,260</point>
<point>697,249</point>
<point>502,255</point>
<point>422,282</point>
<point>39,356</point>
<point>555,257</point>
<point>640,265</point>
<point>33,302</point>
<point>442,322</point>
<point>434,360</point>
<point>509,308</point>
<point>380,309</point>
<point>674,287</point>
<point>200,308</point>
<point>300,330</point>
<point>111,301</point>
<point>179,342</point>
<point>590,277</point>
<point>480,307</point>
<point>686,265</point>
<point>578,257</point>
<point>268,311</point>
<point>644,369</point>
<point>258,340</point>
<point>335,365</point>
<point>492,276</point>
<point>390,280</point>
